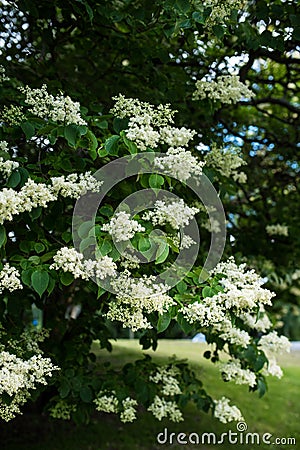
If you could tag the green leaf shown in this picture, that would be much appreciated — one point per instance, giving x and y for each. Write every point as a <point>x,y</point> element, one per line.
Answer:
<point>35,213</point>
<point>183,5</point>
<point>26,276</point>
<point>198,17</point>
<point>71,134</point>
<point>39,247</point>
<point>86,394</point>
<point>105,248</point>
<point>262,387</point>
<point>111,145</point>
<point>144,244</point>
<point>218,31</point>
<point>208,291</point>
<point>163,322</point>
<point>64,389</point>
<point>66,278</point>
<point>120,124</point>
<point>14,179</point>
<point>156,181</point>
<point>93,144</point>
<point>162,253</point>
<point>181,287</point>
<point>39,281</point>
<point>83,230</point>
<point>3,237</point>
<point>88,9</point>
<point>184,324</point>
<point>28,129</point>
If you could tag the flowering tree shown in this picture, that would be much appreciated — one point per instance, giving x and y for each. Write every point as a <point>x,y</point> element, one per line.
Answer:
<point>53,156</point>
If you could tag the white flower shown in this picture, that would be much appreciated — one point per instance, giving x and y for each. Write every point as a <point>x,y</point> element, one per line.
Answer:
<point>46,106</point>
<point>221,11</point>
<point>13,115</point>
<point>161,408</point>
<point>176,213</point>
<point>69,260</point>
<point>272,343</point>
<point>10,279</point>
<point>176,137</point>
<point>8,166</point>
<point>166,376</point>
<point>135,297</point>
<point>226,413</point>
<point>121,227</point>
<point>132,107</point>
<point>227,89</point>
<point>129,412</point>
<point>232,371</point>
<point>143,134</point>
<point>107,402</point>
<point>262,323</point>
<point>75,185</point>
<point>278,229</point>
<point>18,377</point>
<point>272,368</point>
<point>226,161</point>
<point>179,163</point>
<point>3,146</point>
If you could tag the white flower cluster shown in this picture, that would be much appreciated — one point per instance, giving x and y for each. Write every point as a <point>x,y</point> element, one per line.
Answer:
<point>3,77</point>
<point>129,107</point>
<point>176,213</point>
<point>8,166</point>
<point>9,279</point>
<point>129,413</point>
<point>226,413</point>
<point>261,323</point>
<point>149,125</point>
<point>69,260</point>
<point>176,137</point>
<point>278,229</point>
<point>12,115</point>
<point>18,377</point>
<point>62,410</point>
<point>33,194</point>
<point>121,227</point>
<point>273,369</point>
<point>232,334</point>
<point>75,185</point>
<point>227,89</point>
<point>136,296</point>
<point>161,408</point>
<point>179,163</point>
<point>166,376</point>
<point>108,402</point>
<point>226,161</point>
<point>232,371</point>
<point>241,292</point>
<point>46,106</point>
<point>272,343</point>
<point>30,196</point>
<point>221,11</point>
<point>3,146</point>
<point>182,242</point>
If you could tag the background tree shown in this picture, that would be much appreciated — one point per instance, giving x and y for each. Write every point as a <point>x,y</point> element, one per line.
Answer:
<point>154,51</point>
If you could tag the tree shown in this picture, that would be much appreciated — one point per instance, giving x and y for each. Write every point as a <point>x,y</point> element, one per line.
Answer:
<point>198,57</point>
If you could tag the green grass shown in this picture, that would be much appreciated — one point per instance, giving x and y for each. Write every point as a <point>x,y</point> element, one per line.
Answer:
<point>277,413</point>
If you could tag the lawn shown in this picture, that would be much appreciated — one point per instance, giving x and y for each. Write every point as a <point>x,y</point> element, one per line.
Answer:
<point>277,413</point>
